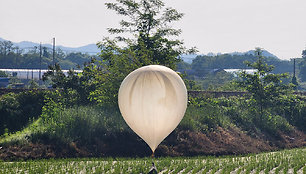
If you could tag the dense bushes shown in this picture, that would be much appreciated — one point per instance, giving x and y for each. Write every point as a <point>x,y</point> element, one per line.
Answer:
<point>16,110</point>
<point>85,123</point>
<point>293,109</point>
<point>65,121</point>
<point>82,124</point>
<point>204,114</point>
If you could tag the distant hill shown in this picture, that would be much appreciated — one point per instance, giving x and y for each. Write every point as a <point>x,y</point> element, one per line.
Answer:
<point>252,52</point>
<point>93,49</point>
<point>188,58</point>
<point>26,45</point>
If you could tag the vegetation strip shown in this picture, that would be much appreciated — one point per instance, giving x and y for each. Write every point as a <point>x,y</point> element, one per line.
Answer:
<point>276,162</point>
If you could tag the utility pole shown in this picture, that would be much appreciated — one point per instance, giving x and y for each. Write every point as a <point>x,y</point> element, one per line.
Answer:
<point>40,52</point>
<point>293,67</point>
<point>53,61</point>
<point>294,80</point>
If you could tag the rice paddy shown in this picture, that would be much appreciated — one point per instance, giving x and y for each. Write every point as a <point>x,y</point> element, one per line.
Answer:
<point>286,161</point>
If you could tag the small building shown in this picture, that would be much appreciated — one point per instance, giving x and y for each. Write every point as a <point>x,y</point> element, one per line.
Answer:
<point>19,85</point>
<point>236,71</point>
<point>28,74</point>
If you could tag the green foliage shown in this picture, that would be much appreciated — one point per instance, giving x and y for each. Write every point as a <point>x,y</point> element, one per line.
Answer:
<point>190,83</point>
<point>264,87</point>
<point>207,70</point>
<point>302,73</point>
<point>271,162</point>
<point>75,86</point>
<point>183,66</point>
<point>107,76</point>
<point>217,80</point>
<point>3,74</point>
<point>24,136</point>
<point>204,114</point>
<point>100,80</point>
<point>148,22</point>
<point>293,109</point>
<point>80,124</point>
<point>14,80</point>
<point>152,43</point>
<point>77,59</point>
<point>56,75</point>
<point>302,67</point>
<point>202,65</point>
<point>16,110</point>
<point>33,84</point>
<point>294,82</point>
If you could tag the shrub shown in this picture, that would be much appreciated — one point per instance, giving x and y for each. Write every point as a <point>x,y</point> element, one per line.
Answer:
<point>81,124</point>
<point>293,109</point>
<point>16,110</point>
<point>204,114</point>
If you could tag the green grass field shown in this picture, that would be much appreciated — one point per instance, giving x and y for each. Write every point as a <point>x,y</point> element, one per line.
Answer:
<point>286,161</point>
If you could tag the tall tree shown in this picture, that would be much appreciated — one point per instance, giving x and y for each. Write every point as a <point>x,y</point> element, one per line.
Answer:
<point>264,86</point>
<point>148,22</point>
<point>6,47</point>
<point>302,72</point>
<point>151,41</point>
<point>304,53</point>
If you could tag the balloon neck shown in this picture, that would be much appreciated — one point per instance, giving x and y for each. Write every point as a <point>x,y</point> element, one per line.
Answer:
<point>152,155</point>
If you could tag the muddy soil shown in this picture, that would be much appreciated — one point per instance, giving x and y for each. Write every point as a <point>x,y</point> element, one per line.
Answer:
<point>231,141</point>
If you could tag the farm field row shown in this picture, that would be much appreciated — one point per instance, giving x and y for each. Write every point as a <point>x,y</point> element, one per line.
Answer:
<point>286,161</point>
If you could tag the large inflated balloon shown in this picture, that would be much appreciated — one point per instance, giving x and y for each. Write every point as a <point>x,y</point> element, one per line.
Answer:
<point>152,101</point>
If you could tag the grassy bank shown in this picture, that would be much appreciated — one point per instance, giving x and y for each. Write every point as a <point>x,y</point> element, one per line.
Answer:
<point>211,126</point>
<point>86,123</point>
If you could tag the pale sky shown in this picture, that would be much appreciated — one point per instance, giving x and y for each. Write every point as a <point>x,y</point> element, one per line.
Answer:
<point>278,26</point>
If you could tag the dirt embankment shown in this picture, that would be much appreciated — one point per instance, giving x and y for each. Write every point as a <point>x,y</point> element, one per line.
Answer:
<point>231,141</point>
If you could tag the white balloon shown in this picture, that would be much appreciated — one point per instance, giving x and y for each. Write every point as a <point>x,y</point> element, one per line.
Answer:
<point>153,101</point>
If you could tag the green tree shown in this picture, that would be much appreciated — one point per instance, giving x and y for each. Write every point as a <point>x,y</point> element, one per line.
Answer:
<point>3,74</point>
<point>56,75</point>
<point>6,47</point>
<point>46,52</point>
<point>33,84</point>
<point>294,82</point>
<point>151,42</point>
<point>304,53</point>
<point>264,86</point>
<point>78,58</point>
<point>75,86</point>
<point>302,72</point>
<point>149,22</point>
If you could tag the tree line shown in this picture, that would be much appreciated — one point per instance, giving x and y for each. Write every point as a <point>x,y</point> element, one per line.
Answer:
<point>14,57</point>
